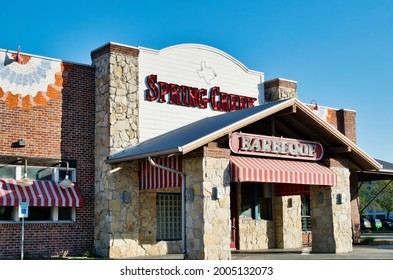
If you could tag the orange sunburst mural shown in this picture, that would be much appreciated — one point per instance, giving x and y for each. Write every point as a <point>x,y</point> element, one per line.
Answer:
<point>27,81</point>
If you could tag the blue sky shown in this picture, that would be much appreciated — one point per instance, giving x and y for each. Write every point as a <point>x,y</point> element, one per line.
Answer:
<point>339,52</point>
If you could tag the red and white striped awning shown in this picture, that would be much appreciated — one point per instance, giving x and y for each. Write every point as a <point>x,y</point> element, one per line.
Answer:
<point>247,169</point>
<point>41,193</point>
<point>152,178</point>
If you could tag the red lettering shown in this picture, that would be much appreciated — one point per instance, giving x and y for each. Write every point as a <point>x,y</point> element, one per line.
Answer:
<point>193,97</point>
<point>152,93</point>
<point>242,102</point>
<point>184,93</point>
<point>175,94</point>
<point>202,101</point>
<point>216,105</point>
<point>234,102</point>
<point>250,101</point>
<point>164,88</point>
<point>225,102</point>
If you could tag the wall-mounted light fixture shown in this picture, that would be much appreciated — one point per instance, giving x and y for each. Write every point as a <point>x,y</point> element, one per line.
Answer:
<point>341,198</point>
<point>316,105</point>
<point>290,202</point>
<point>190,194</point>
<point>217,193</point>
<point>18,144</point>
<point>114,170</point>
<point>320,198</point>
<point>25,181</point>
<point>66,183</point>
<point>126,197</point>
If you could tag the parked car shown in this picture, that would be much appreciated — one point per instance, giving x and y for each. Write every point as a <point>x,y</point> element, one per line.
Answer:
<point>375,224</point>
<point>387,224</point>
<point>365,224</point>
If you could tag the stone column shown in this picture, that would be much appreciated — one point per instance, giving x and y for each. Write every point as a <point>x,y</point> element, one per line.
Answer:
<point>117,110</point>
<point>287,215</point>
<point>279,89</point>
<point>355,211</point>
<point>208,216</point>
<point>331,213</point>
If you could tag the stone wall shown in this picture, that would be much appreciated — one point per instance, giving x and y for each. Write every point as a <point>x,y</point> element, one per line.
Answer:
<point>122,218</point>
<point>148,226</point>
<point>116,96</point>
<point>342,210</point>
<point>355,210</point>
<point>287,214</point>
<point>256,234</point>
<point>208,217</point>
<point>331,220</point>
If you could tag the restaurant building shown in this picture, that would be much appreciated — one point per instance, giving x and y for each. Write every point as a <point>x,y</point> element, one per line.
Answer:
<point>178,151</point>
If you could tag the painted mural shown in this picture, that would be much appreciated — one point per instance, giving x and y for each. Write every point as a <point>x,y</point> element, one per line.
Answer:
<point>27,81</point>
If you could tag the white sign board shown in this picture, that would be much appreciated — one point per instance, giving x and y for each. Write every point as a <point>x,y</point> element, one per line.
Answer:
<point>23,210</point>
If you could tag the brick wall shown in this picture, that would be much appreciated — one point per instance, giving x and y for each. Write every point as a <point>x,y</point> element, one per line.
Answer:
<point>63,129</point>
<point>342,119</point>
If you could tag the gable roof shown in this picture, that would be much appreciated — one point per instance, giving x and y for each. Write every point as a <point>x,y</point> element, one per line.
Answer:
<point>385,173</point>
<point>291,111</point>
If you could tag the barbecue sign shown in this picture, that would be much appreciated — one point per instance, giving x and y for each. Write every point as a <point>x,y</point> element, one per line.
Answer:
<point>269,146</point>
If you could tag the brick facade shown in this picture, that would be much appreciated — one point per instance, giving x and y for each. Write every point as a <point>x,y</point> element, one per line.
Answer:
<point>62,129</point>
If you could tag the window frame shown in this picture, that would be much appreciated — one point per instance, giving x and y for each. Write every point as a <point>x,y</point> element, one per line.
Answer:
<point>19,171</point>
<point>54,215</point>
<point>256,201</point>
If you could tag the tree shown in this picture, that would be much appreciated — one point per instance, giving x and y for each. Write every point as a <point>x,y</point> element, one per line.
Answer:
<point>377,195</point>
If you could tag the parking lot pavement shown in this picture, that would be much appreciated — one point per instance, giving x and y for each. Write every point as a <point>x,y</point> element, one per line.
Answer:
<point>360,252</point>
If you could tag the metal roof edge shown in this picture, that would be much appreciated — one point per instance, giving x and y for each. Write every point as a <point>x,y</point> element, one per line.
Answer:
<point>144,155</point>
<point>243,122</point>
<point>339,135</point>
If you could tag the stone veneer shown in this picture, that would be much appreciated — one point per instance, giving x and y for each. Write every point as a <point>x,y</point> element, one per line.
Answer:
<point>330,220</point>
<point>117,113</point>
<point>208,218</point>
<point>256,234</point>
<point>287,215</point>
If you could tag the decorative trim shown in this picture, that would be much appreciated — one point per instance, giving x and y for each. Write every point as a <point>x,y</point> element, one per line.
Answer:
<point>32,81</point>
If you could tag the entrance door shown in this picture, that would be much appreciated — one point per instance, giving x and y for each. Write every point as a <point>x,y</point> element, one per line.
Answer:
<point>234,218</point>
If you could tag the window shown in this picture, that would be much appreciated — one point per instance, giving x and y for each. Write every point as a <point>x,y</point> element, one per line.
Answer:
<point>168,216</point>
<point>66,214</point>
<point>6,213</point>
<point>7,172</point>
<point>38,214</point>
<point>256,201</point>
<point>37,172</point>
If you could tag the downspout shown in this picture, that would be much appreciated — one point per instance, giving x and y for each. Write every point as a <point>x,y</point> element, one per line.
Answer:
<point>183,204</point>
